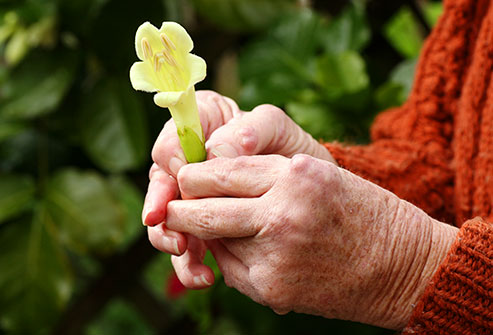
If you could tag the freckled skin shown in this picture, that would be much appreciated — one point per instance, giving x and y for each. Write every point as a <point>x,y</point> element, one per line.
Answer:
<point>295,232</point>
<point>316,240</point>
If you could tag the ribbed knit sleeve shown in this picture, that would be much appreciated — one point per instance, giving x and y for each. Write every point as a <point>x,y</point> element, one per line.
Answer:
<point>459,298</point>
<point>436,151</point>
<point>420,174</point>
<point>412,152</point>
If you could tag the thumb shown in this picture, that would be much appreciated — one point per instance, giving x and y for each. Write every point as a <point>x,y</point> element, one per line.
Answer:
<point>263,130</point>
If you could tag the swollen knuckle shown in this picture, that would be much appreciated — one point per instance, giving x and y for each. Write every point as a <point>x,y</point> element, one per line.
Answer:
<point>271,110</point>
<point>301,164</point>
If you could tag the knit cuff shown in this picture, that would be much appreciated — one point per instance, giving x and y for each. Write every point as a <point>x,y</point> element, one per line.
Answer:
<point>459,298</point>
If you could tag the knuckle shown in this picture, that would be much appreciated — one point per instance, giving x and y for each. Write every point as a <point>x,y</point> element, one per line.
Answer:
<point>159,151</point>
<point>153,170</point>
<point>301,164</point>
<point>182,175</point>
<point>203,95</point>
<point>269,113</point>
<point>271,110</point>
<point>207,224</point>
<point>248,139</point>
<point>241,162</point>
<point>313,171</point>
<point>154,237</point>
<point>166,145</point>
<point>223,174</point>
<point>156,152</point>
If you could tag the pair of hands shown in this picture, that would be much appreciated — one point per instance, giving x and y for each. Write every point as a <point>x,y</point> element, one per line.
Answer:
<point>286,226</point>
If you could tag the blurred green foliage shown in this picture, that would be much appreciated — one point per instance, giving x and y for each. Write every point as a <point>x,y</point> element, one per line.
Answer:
<point>75,138</point>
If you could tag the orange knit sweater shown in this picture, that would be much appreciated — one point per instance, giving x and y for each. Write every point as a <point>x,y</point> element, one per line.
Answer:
<point>436,151</point>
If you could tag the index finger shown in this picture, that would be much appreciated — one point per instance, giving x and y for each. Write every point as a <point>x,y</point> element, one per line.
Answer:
<point>212,218</point>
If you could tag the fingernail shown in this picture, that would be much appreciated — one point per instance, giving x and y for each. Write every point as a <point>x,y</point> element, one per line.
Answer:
<point>204,280</point>
<point>224,150</point>
<point>175,164</point>
<point>144,215</point>
<point>175,246</point>
<point>200,280</point>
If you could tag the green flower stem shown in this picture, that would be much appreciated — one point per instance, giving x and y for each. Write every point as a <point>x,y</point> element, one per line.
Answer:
<point>186,116</point>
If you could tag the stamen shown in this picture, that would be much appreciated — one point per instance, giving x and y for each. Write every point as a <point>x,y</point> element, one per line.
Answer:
<point>169,59</point>
<point>157,63</point>
<point>146,48</point>
<point>168,44</point>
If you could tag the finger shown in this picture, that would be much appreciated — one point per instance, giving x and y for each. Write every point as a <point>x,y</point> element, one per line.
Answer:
<point>235,273</point>
<point>262,130</point>
<point>166,240</point>
<point>247,176</point>
<point>189,268</point>
<point>167,152</point>
<point>210,103</point>
<point>214,111</point>
<point>215,217</point>
<point>162,189</point>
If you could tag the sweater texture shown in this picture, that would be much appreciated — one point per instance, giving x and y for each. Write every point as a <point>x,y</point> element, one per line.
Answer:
<point>436,151</point>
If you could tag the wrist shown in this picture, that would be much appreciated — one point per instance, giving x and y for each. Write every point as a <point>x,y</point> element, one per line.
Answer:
<point>420,248</point>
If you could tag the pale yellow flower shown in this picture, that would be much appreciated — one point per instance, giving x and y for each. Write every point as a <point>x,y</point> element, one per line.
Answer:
<point>168,69</point>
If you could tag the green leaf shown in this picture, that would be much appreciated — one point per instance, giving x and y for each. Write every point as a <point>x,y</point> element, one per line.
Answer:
<point>131,201</point>
<point>349,31</point>
<point>198,304</point>
<point>432,11</point>
<point>388,95</point>
<point>286,48</point>
<point>316,119</point>
<point>16,195</point>
<point>119,317</point>
<point>37,86</point>
<point>113,127</point>
<point>276,67</point>
<point>403,74</point>
<point>36,281</point>
<point>403,33</point>
<point>82,205</point>
<point>10,128</point>
<point>395,91</point>
<point>297,32</point>
<point>240,15</point>
<point>343,73</point>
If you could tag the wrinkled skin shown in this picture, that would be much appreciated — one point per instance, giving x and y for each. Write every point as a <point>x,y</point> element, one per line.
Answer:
<point>292,230</point>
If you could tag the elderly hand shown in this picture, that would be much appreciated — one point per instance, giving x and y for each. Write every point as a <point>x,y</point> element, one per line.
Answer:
<point>303,235</point>
<point>229,133</point>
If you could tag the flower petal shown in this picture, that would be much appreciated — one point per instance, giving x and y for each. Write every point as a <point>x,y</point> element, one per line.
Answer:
<point>167,99</point>
<point>141,77</point>
<point>197,68</point>
<point>178,35</point>
<point>151,33</point>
